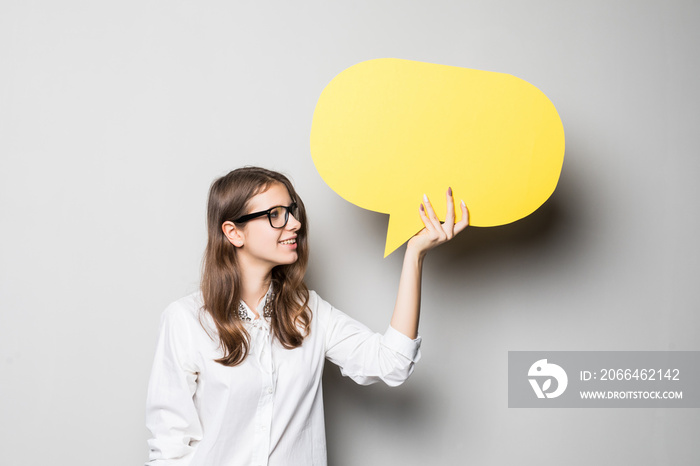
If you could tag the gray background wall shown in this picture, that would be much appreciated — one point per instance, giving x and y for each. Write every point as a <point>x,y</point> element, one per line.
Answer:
<point>116,116</point>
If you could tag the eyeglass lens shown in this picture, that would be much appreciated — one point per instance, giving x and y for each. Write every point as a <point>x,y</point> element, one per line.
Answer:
<point>280,215</point>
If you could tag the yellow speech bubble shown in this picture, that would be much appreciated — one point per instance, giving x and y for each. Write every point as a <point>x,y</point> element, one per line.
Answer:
<point>386,131</point>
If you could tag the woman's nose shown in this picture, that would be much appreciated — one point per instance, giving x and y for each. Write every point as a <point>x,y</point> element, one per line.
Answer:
<point>292,223</point>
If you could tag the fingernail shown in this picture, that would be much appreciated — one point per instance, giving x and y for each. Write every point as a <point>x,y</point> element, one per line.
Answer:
<point>449,191</point>
<point>421,208</point>
<point>463,204</point>
<point>425,198</point>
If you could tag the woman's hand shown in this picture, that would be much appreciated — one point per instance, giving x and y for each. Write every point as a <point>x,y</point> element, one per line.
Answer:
<point>436,232</point>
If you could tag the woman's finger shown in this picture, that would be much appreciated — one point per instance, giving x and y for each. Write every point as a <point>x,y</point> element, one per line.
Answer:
<point>431,213</point>
<point>464,221</point>
<point>450,215</point>
<point>426,221</point>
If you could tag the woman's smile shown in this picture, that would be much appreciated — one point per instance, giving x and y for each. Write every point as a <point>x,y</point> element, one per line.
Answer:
<point>290,242</point>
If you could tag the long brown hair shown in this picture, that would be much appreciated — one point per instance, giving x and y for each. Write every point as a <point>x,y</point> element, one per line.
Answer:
<point>221,274</point>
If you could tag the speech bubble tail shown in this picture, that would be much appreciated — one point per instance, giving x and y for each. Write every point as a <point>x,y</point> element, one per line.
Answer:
<point>401,228</point>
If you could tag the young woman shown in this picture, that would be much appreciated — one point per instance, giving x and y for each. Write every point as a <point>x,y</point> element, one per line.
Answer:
<point>237,373</point>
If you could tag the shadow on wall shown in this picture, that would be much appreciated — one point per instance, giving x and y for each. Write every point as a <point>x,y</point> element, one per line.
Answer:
<point>554,234</point>
<point>552,230</point>
<point>377,407</point>
<point>543,241</point>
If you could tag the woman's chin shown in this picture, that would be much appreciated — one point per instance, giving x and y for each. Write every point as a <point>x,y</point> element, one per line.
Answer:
<point>290,258</point>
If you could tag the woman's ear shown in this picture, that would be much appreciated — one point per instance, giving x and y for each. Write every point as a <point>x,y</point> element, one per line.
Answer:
<point>233,234</point>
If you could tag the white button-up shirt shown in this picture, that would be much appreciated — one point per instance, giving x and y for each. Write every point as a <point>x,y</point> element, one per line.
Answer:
<point>268,410</point>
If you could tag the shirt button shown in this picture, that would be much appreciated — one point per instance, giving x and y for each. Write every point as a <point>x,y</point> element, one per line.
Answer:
<point>270,390</point>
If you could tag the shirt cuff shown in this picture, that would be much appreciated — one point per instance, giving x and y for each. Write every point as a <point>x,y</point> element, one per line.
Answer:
<point>402,344</point>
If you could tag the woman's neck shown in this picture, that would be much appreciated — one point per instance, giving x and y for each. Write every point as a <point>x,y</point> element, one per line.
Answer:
<point>254,286</point>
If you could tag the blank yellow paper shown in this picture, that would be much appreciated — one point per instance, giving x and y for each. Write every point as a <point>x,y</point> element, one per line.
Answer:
<point>386,131</point>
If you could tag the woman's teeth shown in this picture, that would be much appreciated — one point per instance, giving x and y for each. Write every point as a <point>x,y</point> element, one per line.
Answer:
<point>289,241</point>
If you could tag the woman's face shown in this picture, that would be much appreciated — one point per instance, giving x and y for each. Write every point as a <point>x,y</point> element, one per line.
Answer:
<point>261,244</point>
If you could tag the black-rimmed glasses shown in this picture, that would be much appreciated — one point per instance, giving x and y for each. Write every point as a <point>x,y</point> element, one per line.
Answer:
<point>278,215</point>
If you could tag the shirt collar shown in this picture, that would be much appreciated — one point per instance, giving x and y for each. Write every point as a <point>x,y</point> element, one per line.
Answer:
<point>244,312</point>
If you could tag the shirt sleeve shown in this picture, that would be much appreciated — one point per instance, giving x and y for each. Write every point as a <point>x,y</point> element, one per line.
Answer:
<point>365,356</point>
<point>171,415</point>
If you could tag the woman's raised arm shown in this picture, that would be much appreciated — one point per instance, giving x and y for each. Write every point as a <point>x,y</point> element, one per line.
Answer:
<point>407,308</point>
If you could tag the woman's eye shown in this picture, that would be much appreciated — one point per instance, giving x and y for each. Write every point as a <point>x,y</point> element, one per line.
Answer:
<point>275,213</point>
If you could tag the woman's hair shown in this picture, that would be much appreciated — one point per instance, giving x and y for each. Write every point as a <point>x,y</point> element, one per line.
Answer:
<point>221,274</point>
